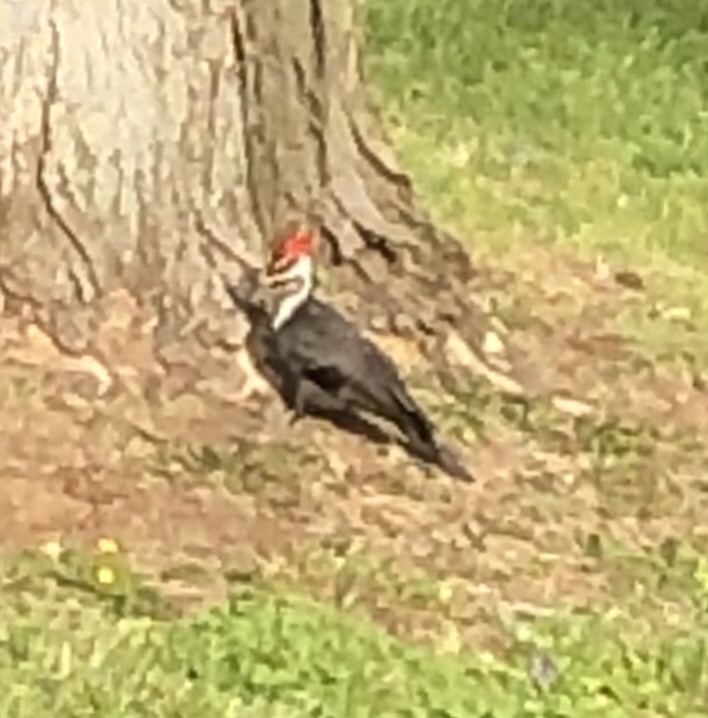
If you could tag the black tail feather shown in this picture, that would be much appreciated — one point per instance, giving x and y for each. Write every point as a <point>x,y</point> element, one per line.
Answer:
<point>420,433</point>
<point>438,455</point>
<point>450,463</point>
<point>412,421</point>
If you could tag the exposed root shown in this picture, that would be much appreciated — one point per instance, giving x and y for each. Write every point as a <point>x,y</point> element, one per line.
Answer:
<point>36,348</point>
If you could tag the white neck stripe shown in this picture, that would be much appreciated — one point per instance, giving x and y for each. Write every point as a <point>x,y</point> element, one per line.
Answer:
<point>300,278</point>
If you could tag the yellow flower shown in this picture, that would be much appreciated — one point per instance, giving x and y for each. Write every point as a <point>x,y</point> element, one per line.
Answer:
<point>52,549</point>
<point>445,591</point>
<point>450,640</point>
<point>105,575</point>
<point>106,545</point>
<point>700,574</point>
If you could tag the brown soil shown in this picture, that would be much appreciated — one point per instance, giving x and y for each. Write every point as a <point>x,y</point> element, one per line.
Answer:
<point>178,475</point>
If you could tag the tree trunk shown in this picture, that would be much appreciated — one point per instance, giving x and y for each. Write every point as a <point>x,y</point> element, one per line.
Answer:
<point>143,143</point>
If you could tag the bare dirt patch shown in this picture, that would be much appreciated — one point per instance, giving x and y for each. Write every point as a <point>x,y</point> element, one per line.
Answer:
<point>178,476</point>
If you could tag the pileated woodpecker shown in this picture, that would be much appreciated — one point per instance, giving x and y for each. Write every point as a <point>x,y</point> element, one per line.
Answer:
<point>320,363</point>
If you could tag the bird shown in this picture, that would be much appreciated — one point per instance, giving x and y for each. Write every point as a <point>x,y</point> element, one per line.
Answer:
<point>318,361</point>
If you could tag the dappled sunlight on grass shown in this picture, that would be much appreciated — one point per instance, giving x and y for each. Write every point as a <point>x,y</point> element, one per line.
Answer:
<point>557,122</point>
<point>266,652</point>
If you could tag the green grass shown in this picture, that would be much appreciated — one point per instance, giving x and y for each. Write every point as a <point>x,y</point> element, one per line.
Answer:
<point>556,121</point>
<point>70,648</point>
<point>551,121</point>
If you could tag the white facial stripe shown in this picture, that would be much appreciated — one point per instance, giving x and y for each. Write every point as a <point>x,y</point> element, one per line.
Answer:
<point>299,275</point>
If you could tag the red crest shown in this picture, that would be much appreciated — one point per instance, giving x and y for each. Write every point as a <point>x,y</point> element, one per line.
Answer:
<point>290,248</point>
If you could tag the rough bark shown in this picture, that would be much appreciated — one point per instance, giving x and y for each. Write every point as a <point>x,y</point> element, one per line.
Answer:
<point>145,142</point>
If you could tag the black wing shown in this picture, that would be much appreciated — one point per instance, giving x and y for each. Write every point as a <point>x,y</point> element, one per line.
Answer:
<point>320,345</point>
<point>330,351</point>
<point>322,342</point>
